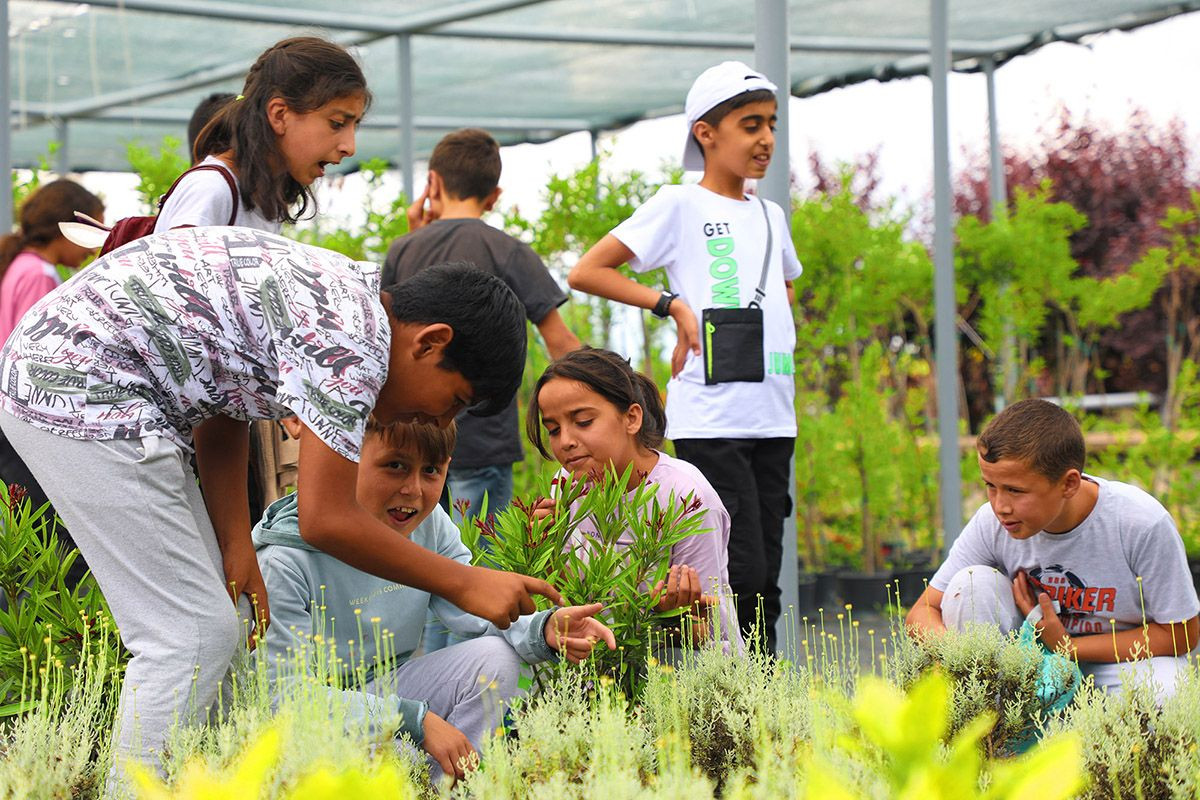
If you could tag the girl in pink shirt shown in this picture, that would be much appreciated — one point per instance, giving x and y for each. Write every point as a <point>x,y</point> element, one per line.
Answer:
<point>28,257</point>
<point>597,412</point>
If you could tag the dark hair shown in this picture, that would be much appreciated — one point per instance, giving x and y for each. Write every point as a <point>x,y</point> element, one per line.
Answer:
<point>488,320</point>
<point>723,109</point>
<point>611,377</point>
<point>306,73</point>
<point>41,212</point>
<point>468,162</point>
<point>204,112</point>
<point>433,444</point>
<point>1037,432</point>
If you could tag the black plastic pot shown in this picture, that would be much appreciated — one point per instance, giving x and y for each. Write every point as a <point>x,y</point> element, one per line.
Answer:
<point>826,592</point>
<point>806,603</point>
<point>912,583</point>
<point>865,590</point>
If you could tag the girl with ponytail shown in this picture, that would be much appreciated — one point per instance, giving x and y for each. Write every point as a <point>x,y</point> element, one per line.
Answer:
<point>298,113</point>
<point>598,413</point>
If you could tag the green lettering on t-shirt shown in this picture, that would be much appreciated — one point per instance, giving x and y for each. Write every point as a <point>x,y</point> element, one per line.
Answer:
<point>721,246</point>
<point>781,364</point>
<point>725,294</point>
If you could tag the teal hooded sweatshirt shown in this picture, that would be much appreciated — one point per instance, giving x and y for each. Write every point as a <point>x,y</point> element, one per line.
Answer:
<point>301,580</point>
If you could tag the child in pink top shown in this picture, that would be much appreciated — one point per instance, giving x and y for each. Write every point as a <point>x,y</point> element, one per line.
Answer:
<point>28,257</point>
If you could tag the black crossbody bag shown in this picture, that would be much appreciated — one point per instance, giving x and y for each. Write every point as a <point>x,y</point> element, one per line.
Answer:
<point>733,337</point>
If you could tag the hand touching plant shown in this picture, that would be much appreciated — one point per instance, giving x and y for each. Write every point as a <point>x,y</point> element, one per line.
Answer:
<point>574,631</point>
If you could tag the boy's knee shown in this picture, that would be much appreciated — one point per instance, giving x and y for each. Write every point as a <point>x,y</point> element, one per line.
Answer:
<point>497,665</point>
<point>980,594</point>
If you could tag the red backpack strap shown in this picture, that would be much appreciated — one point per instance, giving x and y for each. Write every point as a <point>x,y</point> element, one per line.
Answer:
<point>233,190</point>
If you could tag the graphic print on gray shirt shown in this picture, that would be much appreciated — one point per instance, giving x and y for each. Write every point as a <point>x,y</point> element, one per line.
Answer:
<point>1093,569</point>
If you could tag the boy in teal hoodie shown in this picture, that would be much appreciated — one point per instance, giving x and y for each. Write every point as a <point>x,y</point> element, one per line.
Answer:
<point>446,700</point>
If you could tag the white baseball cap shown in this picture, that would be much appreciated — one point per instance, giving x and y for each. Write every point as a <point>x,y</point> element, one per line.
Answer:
<point>714,86</point>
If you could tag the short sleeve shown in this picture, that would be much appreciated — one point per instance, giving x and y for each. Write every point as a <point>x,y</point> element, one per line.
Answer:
<point>532,283</point>
<point>704,552</point>
<point>1159,559</point>
<point>651,232</point>
<point>792,267</point>
<point>391,263</point>
<point>969,549</point>
<point>330,380</point>
<point>201,198</point>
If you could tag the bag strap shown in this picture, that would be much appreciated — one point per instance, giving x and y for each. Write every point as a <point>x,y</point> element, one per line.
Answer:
<point>761,291</point>
<point>233,190</point>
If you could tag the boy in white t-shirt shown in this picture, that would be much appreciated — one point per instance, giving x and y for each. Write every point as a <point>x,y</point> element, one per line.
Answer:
<point>1096,565</point>
<point>712,241</point>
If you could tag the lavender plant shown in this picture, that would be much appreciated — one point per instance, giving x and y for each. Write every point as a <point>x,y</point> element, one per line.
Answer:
<point>618,564</point>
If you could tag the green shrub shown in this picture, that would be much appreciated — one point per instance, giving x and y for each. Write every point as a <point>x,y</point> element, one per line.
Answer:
<point>990,673</point>
<point>594,568</point>
<point>41,609</point>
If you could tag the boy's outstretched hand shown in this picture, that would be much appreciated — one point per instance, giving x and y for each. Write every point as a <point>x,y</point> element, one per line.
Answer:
<point>448,746</point>
<point>501,597</point>
<point>573,631</point>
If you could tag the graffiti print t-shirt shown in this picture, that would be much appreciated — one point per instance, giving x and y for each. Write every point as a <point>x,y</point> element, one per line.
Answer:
<point>181,326</point>
<point>711,247</point>
<point>1092,570</point>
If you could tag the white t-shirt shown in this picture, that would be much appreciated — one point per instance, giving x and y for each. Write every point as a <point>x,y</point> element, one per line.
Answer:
<point>711,247</point>
<point>1092,570</point>
<point>203,198</point>
<point>177,327</point>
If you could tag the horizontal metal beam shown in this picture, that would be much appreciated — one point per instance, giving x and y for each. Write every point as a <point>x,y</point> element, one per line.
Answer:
<point>412,22</point>
<point>206,77</point>
<point>163,88</point>
<point>704,40</point>
<point>432,23</point>
<point>42,113</point>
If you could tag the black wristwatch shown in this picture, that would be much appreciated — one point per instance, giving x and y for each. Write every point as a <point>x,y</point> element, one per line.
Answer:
<point>662,309</point>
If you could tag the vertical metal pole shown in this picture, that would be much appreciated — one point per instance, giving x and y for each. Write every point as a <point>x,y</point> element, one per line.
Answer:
<point>6,206</point>
<point>771,57</point>
<point>945,311</point>
<point>404,51</point>
<point>998,194</point>
<point>594,143</point>
<point>63,156</point>
<point>996,188</point>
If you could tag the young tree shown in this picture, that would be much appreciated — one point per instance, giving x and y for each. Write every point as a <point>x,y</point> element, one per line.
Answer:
<point>1122,181</point>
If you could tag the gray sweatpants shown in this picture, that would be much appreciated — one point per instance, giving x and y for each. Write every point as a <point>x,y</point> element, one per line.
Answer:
<point>469,685</point>
<point>136,513</point>
<point>982,595</point>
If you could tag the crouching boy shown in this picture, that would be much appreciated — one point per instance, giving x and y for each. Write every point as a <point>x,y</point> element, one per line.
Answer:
<point>449,699</point>
<point>1097,565</point>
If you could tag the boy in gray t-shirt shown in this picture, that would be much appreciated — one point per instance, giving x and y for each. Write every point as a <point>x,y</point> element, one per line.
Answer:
<point>1096,565</point>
